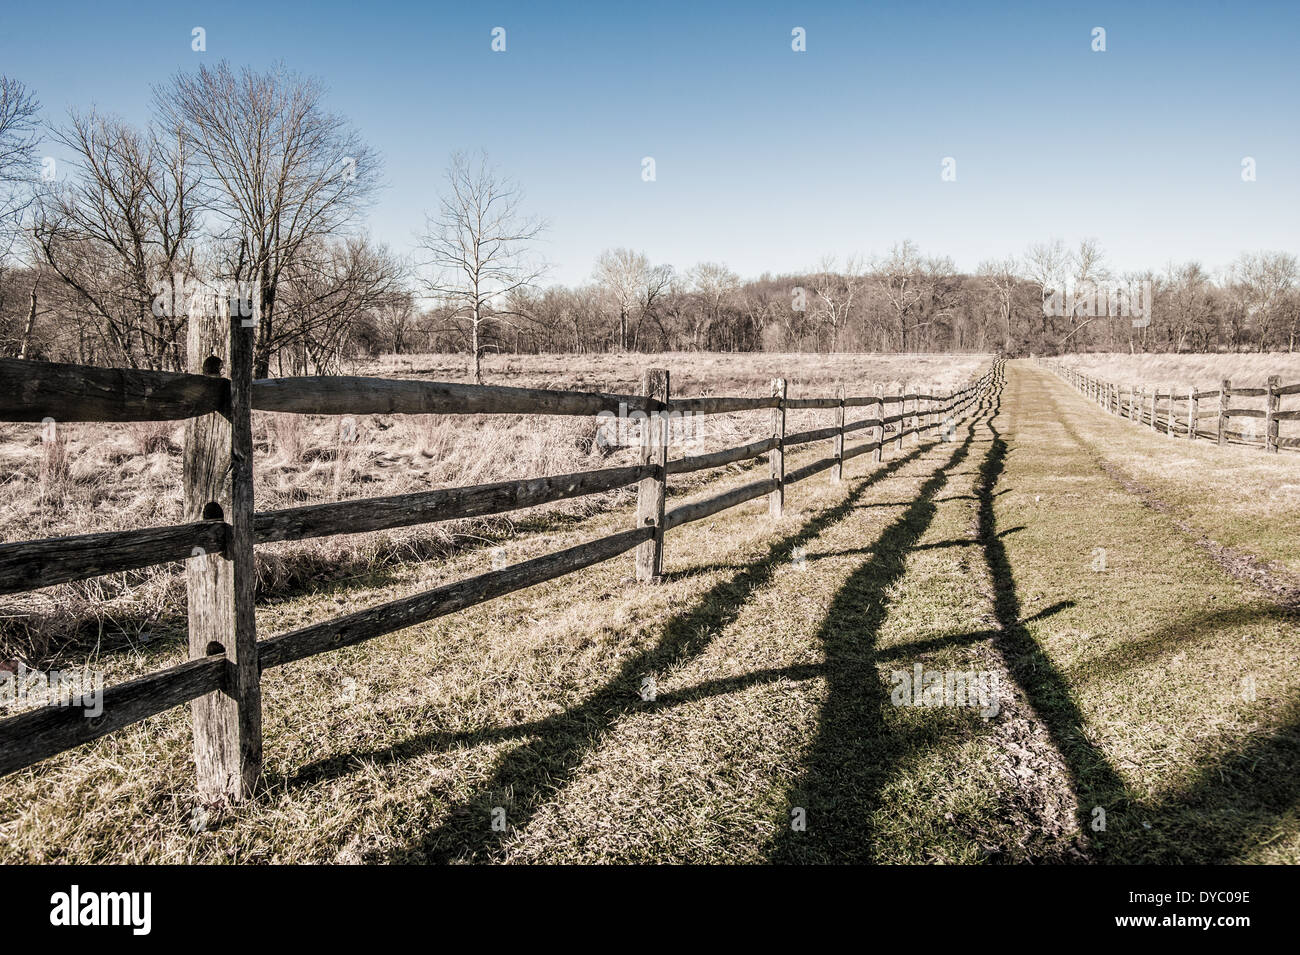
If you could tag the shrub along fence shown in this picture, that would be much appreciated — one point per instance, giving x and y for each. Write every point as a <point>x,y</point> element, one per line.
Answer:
<point>1179,412</point>
<point>222,678</point>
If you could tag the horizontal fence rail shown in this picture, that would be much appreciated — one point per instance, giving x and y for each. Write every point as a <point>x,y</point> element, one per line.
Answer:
<point>1178,412</point>
<point>34,391</point>
<point>220,681</point>
<point>427,507</point>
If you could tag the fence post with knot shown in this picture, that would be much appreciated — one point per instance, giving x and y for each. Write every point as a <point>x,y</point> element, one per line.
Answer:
<point>217,473</point>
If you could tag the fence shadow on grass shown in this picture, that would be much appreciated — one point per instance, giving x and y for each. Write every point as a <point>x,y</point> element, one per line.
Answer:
<point>525,777</point>
<point>844,771</point>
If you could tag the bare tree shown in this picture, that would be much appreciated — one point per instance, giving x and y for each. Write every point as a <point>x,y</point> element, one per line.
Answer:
<point>1188,312</point>
<point>479,248</point>
<point>900,277</point>
<point>1268,280</point>
<point>940,299</point>
<point>1088,271</point>
<point>18,135</point>
<point>1001,278</point>
<point>657,284</point>
<point>714,285</point>
<point>334,293</point>
<point>836,290</point>
<point>121,232</point>
<point>622,274</point>
<point>1045,265</point>
<point>397,320</point>
<point>283,171</point>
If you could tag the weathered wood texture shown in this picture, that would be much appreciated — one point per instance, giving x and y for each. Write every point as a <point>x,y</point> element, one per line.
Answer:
<point>716,459</point>
<point>776,457</point>
<point>698,510</point>
<point>878,446</point>
<point>36,390</point>
<point>38,734</point>
<point>334,395</point>
<point>652,490</point>
<point>427,507</point>
<point>28,565</point>
<point>706,406</point>
<point>837,472</point>
<point>217,475</point>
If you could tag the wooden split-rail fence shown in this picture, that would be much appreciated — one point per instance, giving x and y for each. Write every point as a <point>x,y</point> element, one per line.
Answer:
<point>1191,413</point>
<point>222,678</point>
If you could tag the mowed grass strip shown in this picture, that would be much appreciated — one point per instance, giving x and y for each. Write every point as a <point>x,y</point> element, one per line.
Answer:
<point>1168,687</point>
<point>1237,495</point>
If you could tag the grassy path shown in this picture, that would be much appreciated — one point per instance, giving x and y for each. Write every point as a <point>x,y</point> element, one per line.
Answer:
<point>743,710</point>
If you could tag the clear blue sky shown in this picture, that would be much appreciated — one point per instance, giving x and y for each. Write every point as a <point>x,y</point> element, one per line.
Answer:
<point>766,158</point>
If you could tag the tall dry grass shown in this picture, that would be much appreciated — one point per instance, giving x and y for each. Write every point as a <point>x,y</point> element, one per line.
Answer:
<point>92,478</point>
<point>1201,371</point>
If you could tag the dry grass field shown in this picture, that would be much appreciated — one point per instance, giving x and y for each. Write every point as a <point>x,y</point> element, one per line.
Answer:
<point>116,477</point>
<point>1202,371</point>
<point>1155,684</point>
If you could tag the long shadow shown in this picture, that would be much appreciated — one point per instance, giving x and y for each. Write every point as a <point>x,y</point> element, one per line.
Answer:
<point>525,777</point>
<point>1094,780</point>
<point>845,769</point>
<point>1187,630</point>
<point>445,741</point>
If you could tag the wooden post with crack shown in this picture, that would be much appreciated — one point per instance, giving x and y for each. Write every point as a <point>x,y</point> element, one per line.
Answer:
<point>218,486</point>
<point>1225,390</point>
<point>1272,404</point>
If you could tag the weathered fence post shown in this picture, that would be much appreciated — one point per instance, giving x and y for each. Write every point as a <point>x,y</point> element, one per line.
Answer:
<point>902,416</point>
<point>1193,413</point>
<point>218,485</point>
<point>1272,402</point>
<point>878,451</point>
<point>776,499</point>
<point>1173,414</point>
<point>837,471</point>
<point>1155,421</point>
<point>1225,389</point>
<point>652,489</point>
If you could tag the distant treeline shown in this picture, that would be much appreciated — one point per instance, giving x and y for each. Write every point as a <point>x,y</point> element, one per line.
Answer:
<point>243,183</point>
